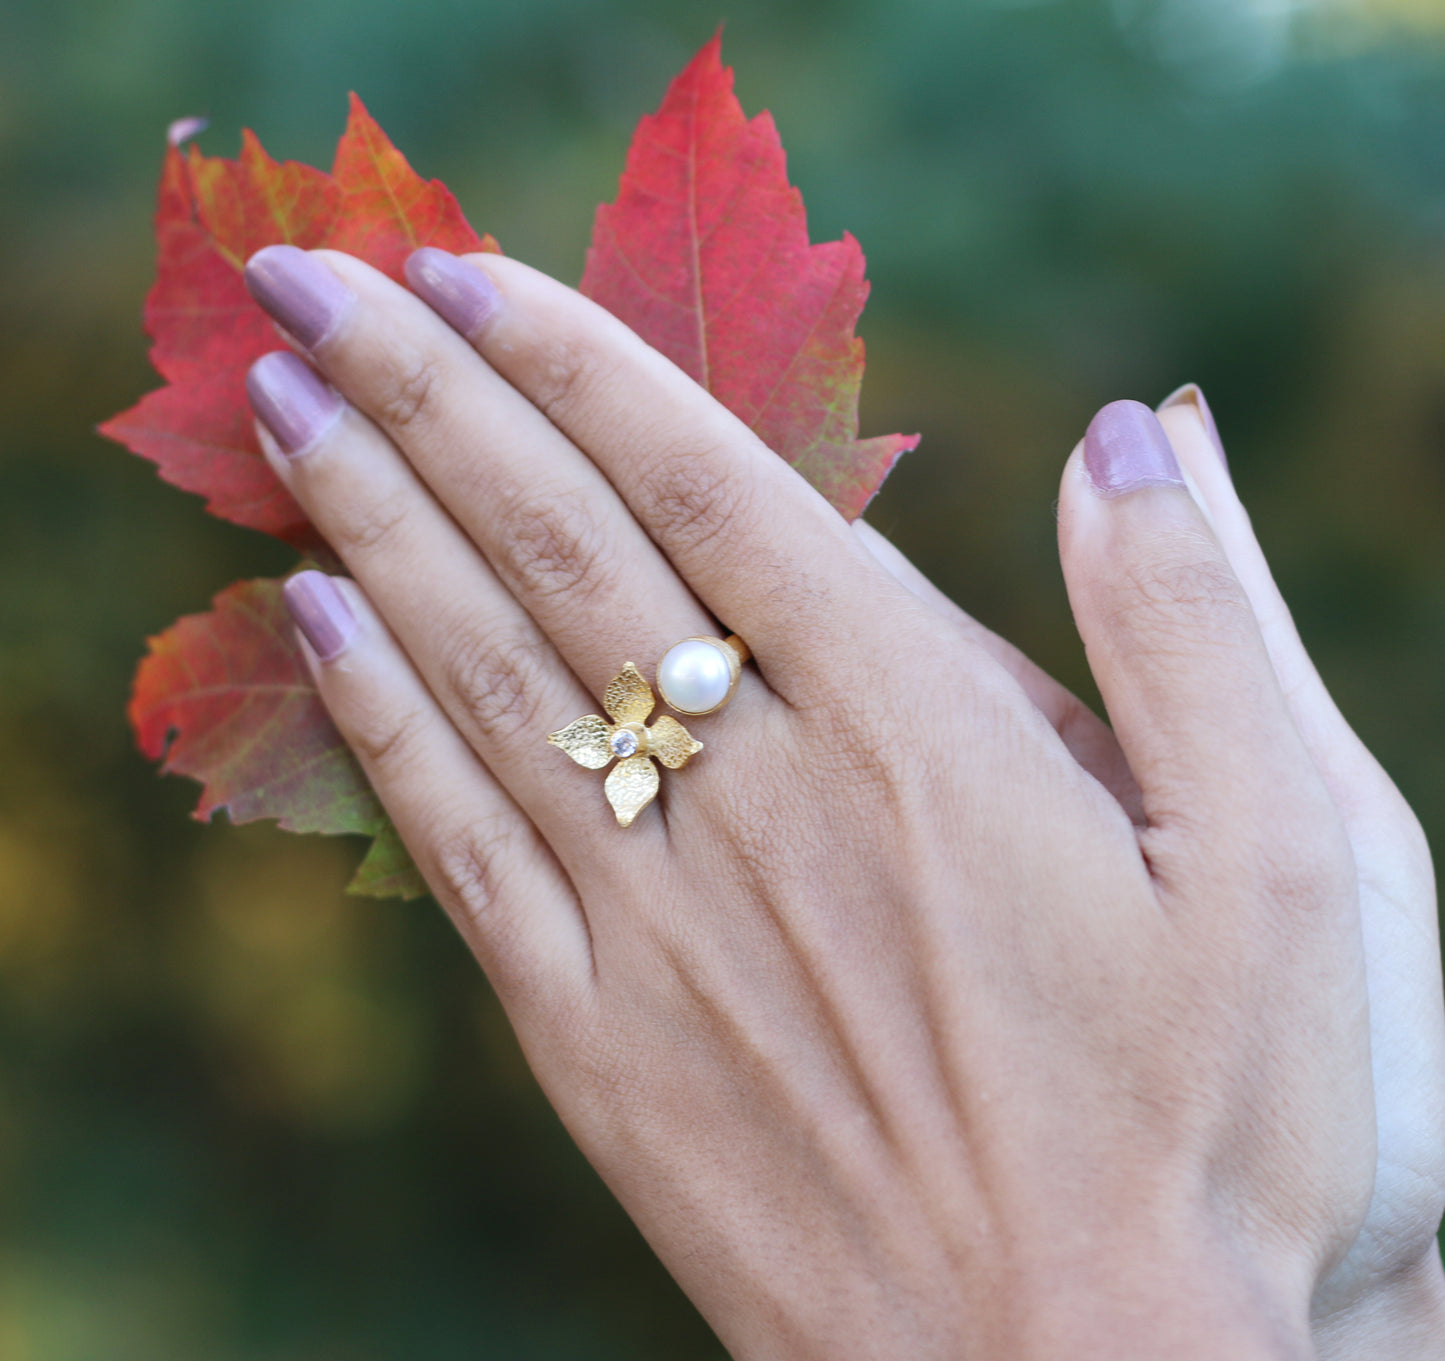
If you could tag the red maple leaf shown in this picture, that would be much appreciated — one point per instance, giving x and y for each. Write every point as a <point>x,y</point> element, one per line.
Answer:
<point>705,254</point>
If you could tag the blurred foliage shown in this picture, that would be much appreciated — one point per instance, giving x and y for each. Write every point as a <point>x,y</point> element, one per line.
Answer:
<point>241,1117</point>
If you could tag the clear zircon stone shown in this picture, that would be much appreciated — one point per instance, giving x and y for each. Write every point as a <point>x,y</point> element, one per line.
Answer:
<point>624,743</point>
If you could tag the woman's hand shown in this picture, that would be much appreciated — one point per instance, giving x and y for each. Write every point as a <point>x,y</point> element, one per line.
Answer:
<point>919,1018</point>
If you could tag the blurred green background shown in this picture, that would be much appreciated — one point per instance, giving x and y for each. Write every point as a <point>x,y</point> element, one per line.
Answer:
<point>243,1117</point>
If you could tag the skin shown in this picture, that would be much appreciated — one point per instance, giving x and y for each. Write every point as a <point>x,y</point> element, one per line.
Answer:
<point>923,1015</point>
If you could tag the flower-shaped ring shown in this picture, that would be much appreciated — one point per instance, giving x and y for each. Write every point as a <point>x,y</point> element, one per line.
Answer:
<point>592,741</point>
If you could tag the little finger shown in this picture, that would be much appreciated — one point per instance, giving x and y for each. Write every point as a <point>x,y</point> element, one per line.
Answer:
<point>483,858</point>
<point>492,671</point>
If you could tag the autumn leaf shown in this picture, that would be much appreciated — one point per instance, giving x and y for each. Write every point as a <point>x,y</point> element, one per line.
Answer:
<point>226,697</point>
<point>206,331</point>
<point>705,254</point>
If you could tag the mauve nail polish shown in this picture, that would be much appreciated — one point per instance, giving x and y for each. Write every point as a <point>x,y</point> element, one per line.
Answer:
<point>298,291</point>
<point>291,401</point>
<point>321,613</point>
<point>1192,395</point>
<point>458,292</point>
<point>1126,448</point>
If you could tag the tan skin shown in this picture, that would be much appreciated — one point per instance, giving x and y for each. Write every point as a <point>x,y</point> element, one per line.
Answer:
<point>921,1016</point>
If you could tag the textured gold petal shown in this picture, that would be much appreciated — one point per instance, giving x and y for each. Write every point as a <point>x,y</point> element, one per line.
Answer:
<point>629,697</point>
<point>631,786</point>
<point>672,744</point>
<point>585,740</point>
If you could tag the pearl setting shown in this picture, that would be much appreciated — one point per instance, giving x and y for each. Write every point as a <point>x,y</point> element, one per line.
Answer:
<point>698,675</point>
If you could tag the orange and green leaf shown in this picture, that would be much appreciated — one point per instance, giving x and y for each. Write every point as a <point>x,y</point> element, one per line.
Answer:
<point>226,698</point>
<point>213,215</point>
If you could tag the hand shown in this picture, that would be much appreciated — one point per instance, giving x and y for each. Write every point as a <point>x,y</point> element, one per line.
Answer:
<point>909,1022</point>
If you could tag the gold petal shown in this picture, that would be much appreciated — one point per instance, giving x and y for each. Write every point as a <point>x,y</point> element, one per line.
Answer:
<point>629,697</point>
<point>631,786</point>
<point>672,744</point>
<point>585,740</point>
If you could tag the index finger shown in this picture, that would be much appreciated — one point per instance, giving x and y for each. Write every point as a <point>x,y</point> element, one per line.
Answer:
<point>740,526</point>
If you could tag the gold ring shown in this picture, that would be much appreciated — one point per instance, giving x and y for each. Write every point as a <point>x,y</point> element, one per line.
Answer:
<point>701,671</point>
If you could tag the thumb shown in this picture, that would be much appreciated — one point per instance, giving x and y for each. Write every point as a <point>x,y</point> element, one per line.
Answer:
<point>1397,899</point>
<point>1179,659</point>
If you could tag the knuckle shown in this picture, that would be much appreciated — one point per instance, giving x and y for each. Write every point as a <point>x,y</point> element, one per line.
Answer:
<point>1270,856</point>
<point>690,497</point>
<point>498,680</point>
<point>365,530</point>
<point>408,388</point>
<point>555,546</point>
<point>564,371</point>
<point>1193,597</point>
<point>386,741</point>
<point>1300,880</point>
<point>467,868</point>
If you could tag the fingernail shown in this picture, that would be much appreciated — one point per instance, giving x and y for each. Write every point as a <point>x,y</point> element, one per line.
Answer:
<point>299,292</point>
<point>321,613</point>
<point>1191,395</point>
<point>292,401</point>
<point>460,293</point>
<point>1126,448</point>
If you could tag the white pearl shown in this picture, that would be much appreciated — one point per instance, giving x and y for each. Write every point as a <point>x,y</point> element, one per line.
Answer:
<point>694,676</point>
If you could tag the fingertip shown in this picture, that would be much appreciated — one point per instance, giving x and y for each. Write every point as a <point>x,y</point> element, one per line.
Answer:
<point>322,614</point>
<point>294,404</point>
<point>299,292</point>
<point>454,288</point>
<point>270,262</point>
<point>1127,449</point>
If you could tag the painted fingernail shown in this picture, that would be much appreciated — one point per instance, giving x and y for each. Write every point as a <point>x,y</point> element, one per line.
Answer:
<point>1191,395</point>
<point>321,613</point>
<point>299,292</point>
<point>292,401</point>
<point>460,293</point>
<point>1126,448</point>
